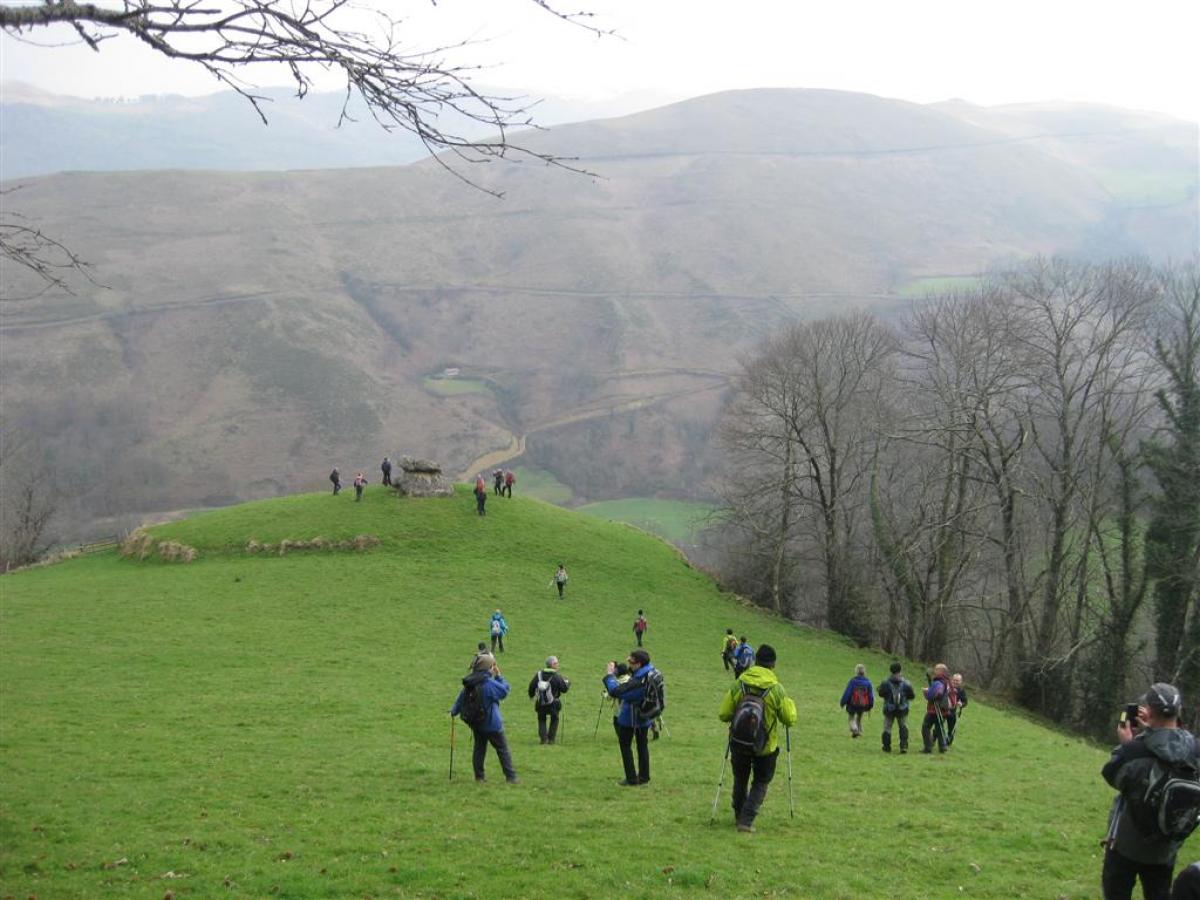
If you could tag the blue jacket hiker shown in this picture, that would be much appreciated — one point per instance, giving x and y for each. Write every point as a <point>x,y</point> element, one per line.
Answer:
<point>479,705</point>
<point>644,687</point>
<point>743,657</point>
<point>497,628</point>
<point>858,698</point>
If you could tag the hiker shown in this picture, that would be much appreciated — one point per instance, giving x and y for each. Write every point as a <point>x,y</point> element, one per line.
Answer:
<point>480,496</point>
<point>497,482</point>
<point>960,703</point>
<point>545,689</point>
<point>754,707</point>
<point>497,628</point>
<point>509,480</point>
<point>939,702</point>
<point>639,627</point>
<point>858,698</point>
<point>638,697</point>
<point>729,645</point>
<point>360,482</point>
<point>896,692</point>
<point>386,468</point>
<point>743,657</point>
<point>336,477</point>
<point>560,579</point>
<point>1135,846</point>
<point>623,675</point>
<point>479,705</point>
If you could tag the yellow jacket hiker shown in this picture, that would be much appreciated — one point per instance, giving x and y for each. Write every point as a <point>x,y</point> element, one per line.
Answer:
<point>755,706</point>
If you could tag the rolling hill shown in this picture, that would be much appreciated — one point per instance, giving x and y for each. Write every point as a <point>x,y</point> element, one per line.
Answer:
<point>256,328</point>
<point>274,723</point>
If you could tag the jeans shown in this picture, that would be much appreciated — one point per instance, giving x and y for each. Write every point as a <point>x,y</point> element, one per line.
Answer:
<point>746,805</point>
<point>625,737</point>
<point>1120,873</point>
<point>497,740</point>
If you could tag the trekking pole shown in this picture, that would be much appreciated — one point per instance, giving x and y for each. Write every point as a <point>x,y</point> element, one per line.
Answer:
<point>720,783</point>
<point>599,713</point>
<point>787,732</point>
<point>452,748</point>
<point>937,714</point>
<point>663,723</point>
<point>562,726</point>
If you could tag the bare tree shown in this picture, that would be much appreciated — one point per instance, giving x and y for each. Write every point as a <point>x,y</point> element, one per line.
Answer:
<point>402,87</point>
<point>27,499</point>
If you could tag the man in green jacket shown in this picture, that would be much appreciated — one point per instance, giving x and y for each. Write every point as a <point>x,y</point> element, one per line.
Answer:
<point>755,706</point>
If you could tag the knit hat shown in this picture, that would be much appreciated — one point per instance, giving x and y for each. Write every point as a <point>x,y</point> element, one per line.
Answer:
<point>1163,698</point>
<point>765,655</point>
<point>483,663</point>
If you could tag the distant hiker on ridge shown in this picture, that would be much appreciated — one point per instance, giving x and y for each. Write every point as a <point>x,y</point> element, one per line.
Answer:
<point>509,480</point>
<point>336,478</point>
<point>497,482</point>
<point>560,579</point>
<point>858,698</point>
<point>480,496</point>
<point>639,627</point>
<point>386,468</point>
<point>360,482</point>
<point>479,705</point>
<point>546,689</point>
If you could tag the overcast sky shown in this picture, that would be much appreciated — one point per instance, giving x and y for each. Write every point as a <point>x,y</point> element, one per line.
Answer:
<point>1140,55</point>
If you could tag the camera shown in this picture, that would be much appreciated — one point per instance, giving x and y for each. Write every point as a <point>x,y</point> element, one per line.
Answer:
<point>1129,716</point>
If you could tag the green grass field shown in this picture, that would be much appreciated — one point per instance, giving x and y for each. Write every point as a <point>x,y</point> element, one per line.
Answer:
<point>276,726</point>
<point>454,387</point>
<point>675,520</point>
<point>543,485</point>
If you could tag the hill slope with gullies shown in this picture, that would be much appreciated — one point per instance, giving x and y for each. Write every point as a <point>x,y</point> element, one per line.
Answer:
<point>256,328</point>
<point>272,721</point>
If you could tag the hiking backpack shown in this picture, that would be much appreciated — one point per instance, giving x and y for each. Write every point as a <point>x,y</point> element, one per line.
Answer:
<point>748,727</point>
<point>639,625</point>
<point>745,658</point>
<point>896,702</point>
<point>1166,801</point>
<point>495,627</point>
<point>545,692</point>
<point>654,696</point>
<point>472,710</point>
<point>860,697</point>
<point>731,644</point>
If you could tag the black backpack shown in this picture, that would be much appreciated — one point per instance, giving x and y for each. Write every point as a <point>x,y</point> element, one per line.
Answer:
<point>896,701</point>
<point>748,728</point>
<point>473,709</point>
<point>1165,802</point>
<point>654,697</point>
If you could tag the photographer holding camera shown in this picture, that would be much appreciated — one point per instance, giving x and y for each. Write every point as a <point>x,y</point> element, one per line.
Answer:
<point>642,701</point>
<point>1156,769</point>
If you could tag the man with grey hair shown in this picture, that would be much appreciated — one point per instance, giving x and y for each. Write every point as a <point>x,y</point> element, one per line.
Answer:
<point>545,690</point>
<point>1140,767</point>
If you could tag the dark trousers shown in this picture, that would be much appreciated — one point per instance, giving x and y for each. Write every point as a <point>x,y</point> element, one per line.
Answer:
<point>900,719</point>
<point>951,721</point>
<point>497,639</point>
<point>1120,873</point>
<point>337,486</point>
<point>727,658</point>
<point>625,737</point>
<point>561,585</point>
<point>481,502</point>
<point>746,804</point>
<point>497,740</point>
<point>638,634</point>
<point>357,492</point>
<point>387,477</point>
<point>508,490</point>
<point>547,735</point>
<point>929,729</point>
<point>497,488</point>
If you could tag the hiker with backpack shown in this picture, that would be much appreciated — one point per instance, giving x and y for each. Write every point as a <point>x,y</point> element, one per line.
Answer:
<point>478,703</point>
<point>560,579</point>
<point>497,628</point>
<point>896,692</point>
<point>939,697</point>
<point>643,698</point>
<point>545,690</point>
<point>335,478</point>
<point>497,482</point>
<point>639,627</point>
<point>754,707</point>
<point>743,657</point>
<point>858,698</point>
<point>960,703</point>
<point>729,645</point>
<point>480,496</point>
<point>386,468</point>
<point>1157,774</point>
<point>509,480</point>
<point>360,482</point>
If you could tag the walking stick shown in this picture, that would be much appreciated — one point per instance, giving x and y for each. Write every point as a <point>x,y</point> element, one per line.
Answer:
<point>663,723</point>
<point>957,718</point>
<point>941,722</point>
<point>562,726</point>
<point>787,732</point>
<point>720,783</point>
<point>452,748</point>
<point>599,713</point>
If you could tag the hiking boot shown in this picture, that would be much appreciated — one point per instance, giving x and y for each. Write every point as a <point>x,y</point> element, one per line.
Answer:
<point>625,782</point>
<point>745,829</point>
<point>886,749</point>
<point>926,750</point>
<point>513,780</point>
<point>903,749</point>
<point>479,779</point>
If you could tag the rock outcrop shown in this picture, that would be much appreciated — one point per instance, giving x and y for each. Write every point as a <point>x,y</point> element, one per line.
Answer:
<point>422,478</point>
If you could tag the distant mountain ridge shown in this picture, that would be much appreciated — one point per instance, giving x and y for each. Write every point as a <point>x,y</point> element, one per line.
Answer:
<point>260,326</point>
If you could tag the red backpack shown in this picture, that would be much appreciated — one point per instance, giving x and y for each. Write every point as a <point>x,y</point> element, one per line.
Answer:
<point>860,697</point>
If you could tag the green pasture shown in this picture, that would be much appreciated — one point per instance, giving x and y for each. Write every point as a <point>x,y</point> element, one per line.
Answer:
<point>678,521</point>
<point>454,387</point>
<point>1138,187</point>
<point>541,484</point>
<point>261,725</point>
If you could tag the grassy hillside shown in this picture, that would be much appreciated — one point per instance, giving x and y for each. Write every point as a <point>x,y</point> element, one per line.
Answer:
<point>276,726</point>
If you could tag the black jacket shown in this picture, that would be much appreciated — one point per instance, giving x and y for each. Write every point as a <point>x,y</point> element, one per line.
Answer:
<point>1127,768</point>
<point>558,685</point>
<point>896,692</point>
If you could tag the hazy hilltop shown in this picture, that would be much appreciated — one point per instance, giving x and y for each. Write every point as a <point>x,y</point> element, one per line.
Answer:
<point>263,326</point>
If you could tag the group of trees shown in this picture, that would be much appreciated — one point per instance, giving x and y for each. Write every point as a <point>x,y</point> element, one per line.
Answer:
<point>1009,478</point>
